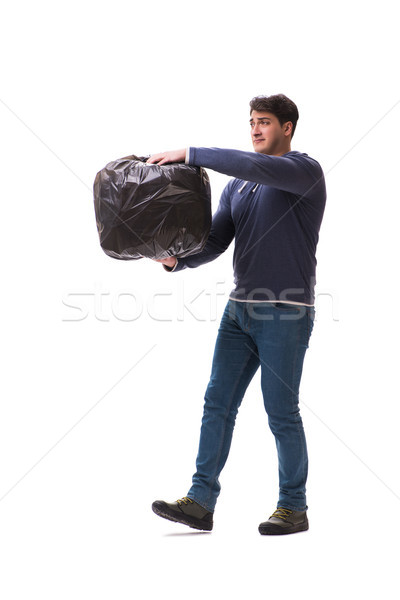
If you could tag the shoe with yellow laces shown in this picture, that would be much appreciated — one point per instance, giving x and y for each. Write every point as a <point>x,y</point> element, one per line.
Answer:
<point>284,520</point>
<point>185,511</point>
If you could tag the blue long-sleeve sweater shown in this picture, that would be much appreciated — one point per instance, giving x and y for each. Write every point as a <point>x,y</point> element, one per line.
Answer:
<point>273,208</point>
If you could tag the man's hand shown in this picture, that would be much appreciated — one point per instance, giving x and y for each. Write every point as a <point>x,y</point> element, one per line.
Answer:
<point>168,157</point>
<point>168,262</point>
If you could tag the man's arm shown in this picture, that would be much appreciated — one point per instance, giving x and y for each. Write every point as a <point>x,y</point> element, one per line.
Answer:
<point>221,234</point>
<point>297,173</point>
<point>294,173</point>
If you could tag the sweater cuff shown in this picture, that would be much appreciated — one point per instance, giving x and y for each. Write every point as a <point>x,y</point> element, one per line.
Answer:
<point>187,156</point>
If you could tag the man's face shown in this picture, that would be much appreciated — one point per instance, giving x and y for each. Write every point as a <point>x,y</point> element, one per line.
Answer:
<point>267,134</point>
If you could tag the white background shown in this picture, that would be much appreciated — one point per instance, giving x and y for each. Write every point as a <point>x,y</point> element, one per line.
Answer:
<point>105,362</point>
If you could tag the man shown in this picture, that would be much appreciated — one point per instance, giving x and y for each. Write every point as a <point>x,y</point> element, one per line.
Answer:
<point>273,208</point>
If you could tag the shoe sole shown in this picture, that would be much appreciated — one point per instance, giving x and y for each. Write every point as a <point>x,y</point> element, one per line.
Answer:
<point>278,530</point>
<point>184,519</point>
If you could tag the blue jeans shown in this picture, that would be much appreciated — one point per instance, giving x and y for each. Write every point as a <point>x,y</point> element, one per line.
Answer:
<point>275,336</point>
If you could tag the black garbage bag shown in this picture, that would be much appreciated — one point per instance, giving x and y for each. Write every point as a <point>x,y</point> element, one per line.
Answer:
<point>147,210</point>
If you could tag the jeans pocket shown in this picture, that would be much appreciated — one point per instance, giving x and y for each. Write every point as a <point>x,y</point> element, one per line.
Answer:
<point>284,311</point>
<point>286,306</point>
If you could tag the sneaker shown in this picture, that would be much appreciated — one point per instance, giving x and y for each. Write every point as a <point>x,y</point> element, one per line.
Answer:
<point>185,511</point>
<point>284,520</point>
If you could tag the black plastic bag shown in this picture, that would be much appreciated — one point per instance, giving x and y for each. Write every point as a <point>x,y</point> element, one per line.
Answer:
<point>147,210</point>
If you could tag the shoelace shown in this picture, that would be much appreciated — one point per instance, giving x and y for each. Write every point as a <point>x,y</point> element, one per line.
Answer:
<point>184,500</point>
<point>282,513</point>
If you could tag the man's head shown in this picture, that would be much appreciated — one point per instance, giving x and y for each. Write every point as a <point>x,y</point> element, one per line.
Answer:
<point>273,121</point>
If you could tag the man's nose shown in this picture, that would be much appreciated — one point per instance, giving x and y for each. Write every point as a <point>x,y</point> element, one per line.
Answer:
<point>256,130</point>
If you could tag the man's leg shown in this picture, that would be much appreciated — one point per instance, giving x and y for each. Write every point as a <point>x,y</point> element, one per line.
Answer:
<point>234,365</point>
<point>282,340</point>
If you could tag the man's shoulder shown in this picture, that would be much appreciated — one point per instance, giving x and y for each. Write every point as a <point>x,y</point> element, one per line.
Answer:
<point>302,156</point>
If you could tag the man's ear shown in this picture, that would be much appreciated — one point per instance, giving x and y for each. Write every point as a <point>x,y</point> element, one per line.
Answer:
<point>288,128</point>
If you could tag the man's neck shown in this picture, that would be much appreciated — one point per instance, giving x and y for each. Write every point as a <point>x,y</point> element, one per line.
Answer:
<point>284,151</point>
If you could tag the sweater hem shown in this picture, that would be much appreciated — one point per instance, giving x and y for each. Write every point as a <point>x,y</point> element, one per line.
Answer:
<point>270,301</point>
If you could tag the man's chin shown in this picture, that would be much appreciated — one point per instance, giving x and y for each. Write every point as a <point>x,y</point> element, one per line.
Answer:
<point>261,147</point>
<point>262,150</point>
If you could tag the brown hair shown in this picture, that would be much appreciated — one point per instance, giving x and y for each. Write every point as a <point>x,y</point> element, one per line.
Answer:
<point>279,105</point>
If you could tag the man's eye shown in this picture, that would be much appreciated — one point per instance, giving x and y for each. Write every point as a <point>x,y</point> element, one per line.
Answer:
<point>252,125</point>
